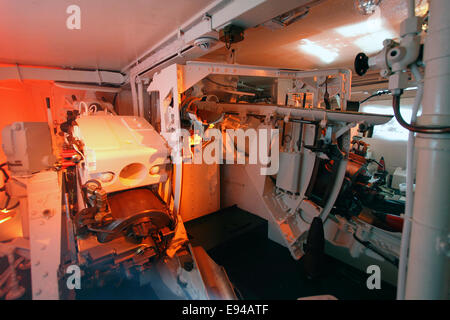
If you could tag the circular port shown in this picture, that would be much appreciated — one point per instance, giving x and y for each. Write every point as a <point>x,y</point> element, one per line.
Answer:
<point>132,174</point>
<point>104,177</point>
<point>154,170</point>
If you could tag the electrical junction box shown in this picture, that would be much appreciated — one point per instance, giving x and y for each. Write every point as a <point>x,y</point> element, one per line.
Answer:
<point>398,178</point>
<point>288,177</point>
<point>28,147</point>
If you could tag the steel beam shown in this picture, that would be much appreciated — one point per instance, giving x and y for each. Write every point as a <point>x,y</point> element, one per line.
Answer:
<point>67,75</point>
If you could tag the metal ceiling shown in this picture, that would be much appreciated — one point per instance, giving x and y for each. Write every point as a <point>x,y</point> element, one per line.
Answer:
<point>280,47</point>
<point>113,32</point>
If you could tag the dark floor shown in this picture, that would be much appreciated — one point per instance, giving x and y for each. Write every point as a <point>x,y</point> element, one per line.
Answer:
<point>258,267</point>
<point>262,269</point>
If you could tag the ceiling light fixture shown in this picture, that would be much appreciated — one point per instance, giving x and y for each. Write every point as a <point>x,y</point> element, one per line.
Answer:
<point>366,7</point>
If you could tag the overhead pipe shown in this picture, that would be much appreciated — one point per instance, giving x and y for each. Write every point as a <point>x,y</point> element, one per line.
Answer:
<point>140,97</point>
<point>57,74</point>
<point>134,96</point>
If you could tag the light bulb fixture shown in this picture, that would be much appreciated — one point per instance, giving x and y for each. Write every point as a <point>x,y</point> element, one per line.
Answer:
<point>366,7</point>
<point>422,7</point>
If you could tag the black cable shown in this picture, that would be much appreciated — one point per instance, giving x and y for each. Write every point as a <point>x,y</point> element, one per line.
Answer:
<point>14,206</point>
<point>410,127</point>
<point>114,102</point>
<point>5,174</point>
<point>3,189</point>
<point>377,94</point>
<point>326,96</point>
<point>381,165</point>
<point>8,198</point>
